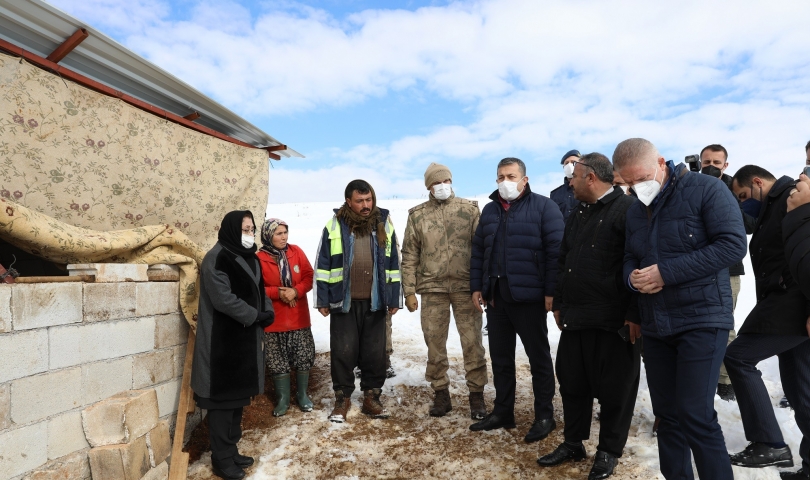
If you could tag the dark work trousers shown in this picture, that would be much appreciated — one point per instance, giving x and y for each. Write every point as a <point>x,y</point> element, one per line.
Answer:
<point>682,373</point>
<point>225,431</point>
<point>592,364</point>
<point>357,338</point>
<point>529,321</point>
<point>756,409</point>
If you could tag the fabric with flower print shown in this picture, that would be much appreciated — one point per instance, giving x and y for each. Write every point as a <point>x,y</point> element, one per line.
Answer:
<point>94,161</point>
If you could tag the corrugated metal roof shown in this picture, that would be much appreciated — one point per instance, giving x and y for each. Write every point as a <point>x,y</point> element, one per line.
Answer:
<point>39,28</point>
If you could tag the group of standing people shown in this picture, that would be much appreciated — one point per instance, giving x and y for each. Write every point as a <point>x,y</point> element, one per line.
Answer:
<point>637,249</point>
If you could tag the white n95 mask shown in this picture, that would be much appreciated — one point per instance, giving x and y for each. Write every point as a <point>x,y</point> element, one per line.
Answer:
<point>442,191</point>
<point>248,241</point>
<point>647,191</point>
<point>568,169</point>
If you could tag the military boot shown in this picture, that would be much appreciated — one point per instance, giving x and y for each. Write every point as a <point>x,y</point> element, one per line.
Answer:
<point>478,409</point>
<point>441,403</point>
<point>372,406</point>
<point>341,410</point>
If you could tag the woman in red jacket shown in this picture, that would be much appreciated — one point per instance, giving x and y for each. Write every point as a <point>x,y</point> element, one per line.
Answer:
<point>288,341</point>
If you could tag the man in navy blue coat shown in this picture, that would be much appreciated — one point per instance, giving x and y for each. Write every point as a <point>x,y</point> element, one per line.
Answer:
<point>682,236</point>
<point>563,195</point>
<point>513,272</point>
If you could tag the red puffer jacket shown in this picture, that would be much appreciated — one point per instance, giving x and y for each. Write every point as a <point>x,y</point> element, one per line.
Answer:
<point>287,317</point>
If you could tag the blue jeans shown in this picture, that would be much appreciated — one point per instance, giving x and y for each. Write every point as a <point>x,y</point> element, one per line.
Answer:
<point>682,373</point>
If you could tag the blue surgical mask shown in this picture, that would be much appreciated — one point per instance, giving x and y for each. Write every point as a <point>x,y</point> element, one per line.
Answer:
<point>752,207</point>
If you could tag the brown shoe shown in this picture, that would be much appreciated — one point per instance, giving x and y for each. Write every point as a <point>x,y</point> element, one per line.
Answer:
<point>372,406</point>
<point>441,403</point>
<point>478,409</point>
<point>655,426</point>
<point>341,410</point>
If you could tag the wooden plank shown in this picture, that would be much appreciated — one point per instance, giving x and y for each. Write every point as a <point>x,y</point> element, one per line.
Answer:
<point>74,278</point>
<point>68,45</point>
<point>179,466</point>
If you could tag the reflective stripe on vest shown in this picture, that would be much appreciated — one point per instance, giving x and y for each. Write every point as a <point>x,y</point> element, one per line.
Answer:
<point>335,248</point>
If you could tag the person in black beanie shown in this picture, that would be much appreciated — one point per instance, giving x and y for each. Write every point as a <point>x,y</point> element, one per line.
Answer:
<point>228,364</point>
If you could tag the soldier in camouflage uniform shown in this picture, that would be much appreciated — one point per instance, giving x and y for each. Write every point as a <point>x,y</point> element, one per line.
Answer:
<point>436,264</point>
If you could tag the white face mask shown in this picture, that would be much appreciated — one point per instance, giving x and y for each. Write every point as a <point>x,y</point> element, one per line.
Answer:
<point>248,240</point>
<point>647,191</point>
<point>568,168</point>
<point>508,190</point>
<point>624,188</point>
<point>442,191</point>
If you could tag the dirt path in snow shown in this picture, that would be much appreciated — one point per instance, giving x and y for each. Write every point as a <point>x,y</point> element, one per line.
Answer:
<point>410,444</point>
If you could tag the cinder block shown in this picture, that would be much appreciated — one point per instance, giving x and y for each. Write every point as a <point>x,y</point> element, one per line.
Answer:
<point>151,368</point>
<point>23,449</point>
<point>37,305</point>
<point>157,298</point>
<point>120,418</point>
<point>65,435</point>
<point>23,354</point>
<point>5,406</point>
<point>170,330</point>
<point>75,466</point>
<point>128,461</point>
<point>5,307</point>
<point>163,273</point>
<point>159,441</point>
<point>179,360</point>
<point>161,472</point>
<point>104,379</point>
<point>40,396</point>
<point>168,395</point>
<point>76,344</point>
<point>111,272</point>
<point>108,301</point>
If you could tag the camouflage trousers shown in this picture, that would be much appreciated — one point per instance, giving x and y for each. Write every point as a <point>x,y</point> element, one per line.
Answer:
<point>436,325</point>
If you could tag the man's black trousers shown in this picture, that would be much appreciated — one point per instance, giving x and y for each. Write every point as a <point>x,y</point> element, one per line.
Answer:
<point>756,407</point>
<point>357,338</point>
<point>592,364</point>
<point>682,373</point>
<point>225,431</point>
<point>528,320</point>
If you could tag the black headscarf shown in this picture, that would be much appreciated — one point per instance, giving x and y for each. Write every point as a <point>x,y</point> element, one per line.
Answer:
<point>230,233</point>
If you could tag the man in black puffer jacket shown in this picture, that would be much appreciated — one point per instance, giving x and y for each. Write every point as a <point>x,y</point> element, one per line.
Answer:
<point>513,268</point>
<point>775,327</point>
<point>591,305</point>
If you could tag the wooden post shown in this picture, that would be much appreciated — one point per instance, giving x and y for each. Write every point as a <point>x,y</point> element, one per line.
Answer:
<point>179,467</point>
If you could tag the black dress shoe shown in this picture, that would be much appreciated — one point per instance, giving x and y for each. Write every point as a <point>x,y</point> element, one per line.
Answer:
<point>540,430</point>
<point>801,474</point>
<point>563,453</point>
<point>758,455</point>
<point>230,472</point>
<point>491,422</point>
<point>242,460</point>
<point>603,466</point>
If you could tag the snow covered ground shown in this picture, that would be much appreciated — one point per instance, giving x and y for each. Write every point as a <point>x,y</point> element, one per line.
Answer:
<point>297,439</point>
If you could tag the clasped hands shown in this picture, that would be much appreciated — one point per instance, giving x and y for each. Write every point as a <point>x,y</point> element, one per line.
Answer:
<point>288,295</point>
<point>647,280</point>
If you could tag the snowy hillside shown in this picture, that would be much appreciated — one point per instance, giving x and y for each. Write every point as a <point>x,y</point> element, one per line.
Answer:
<point>279,458</point>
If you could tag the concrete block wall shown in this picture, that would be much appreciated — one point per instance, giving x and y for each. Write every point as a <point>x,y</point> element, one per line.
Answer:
<point>65,346</point>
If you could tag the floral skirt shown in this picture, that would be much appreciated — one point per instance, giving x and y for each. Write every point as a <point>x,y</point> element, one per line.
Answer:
<point>283,350</point>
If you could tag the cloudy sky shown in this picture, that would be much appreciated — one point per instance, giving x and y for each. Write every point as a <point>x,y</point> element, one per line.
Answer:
<point>379,89</point>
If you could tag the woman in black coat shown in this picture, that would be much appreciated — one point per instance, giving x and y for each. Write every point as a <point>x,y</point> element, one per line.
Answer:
<point>228,364</point>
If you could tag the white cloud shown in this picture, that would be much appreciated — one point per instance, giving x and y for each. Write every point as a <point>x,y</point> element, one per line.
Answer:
<point>540,77</point>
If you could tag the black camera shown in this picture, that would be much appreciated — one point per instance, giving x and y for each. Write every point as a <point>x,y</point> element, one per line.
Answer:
<point>806,171</point>
<point>694,162</point>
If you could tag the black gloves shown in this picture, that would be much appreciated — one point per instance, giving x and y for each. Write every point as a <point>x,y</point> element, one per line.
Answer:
<point>265,319</point>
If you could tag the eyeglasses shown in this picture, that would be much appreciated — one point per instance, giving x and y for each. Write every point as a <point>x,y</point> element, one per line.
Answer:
<point>582,163</point>
<point>249,231</point>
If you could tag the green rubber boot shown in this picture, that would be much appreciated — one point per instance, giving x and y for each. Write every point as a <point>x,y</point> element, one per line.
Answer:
<point>282,384</point>
<point>302,379</point>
